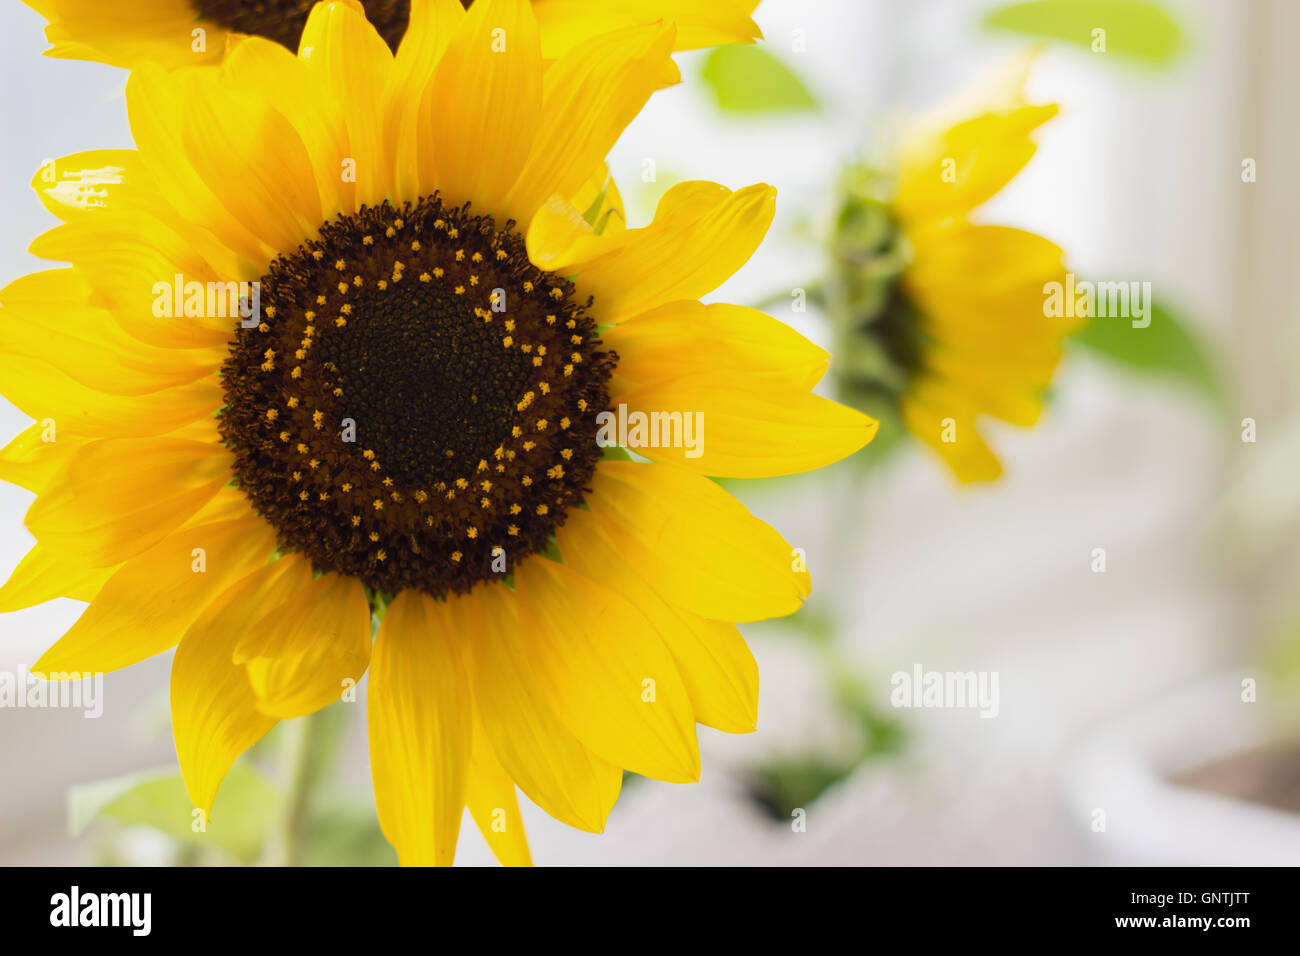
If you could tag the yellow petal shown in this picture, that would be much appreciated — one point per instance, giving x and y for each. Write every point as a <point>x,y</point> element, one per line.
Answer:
<point>490,796</point>
<point>36,454</point>
<point>254,163</point>
<point>408,98</point>
<point>744,428</point>
<point>963,152</point>
<point>257,65</point>
<point>486,105</point>
<point>717,668</point>
<point>567,23</point>
<point>85,342</point>
<point>45,574</point>
<point>696,545</point>
<point>81,183</point>
<point>420,713</point>
<point>145,607</point>
<point>943,420</point>
<point>306,654</point>
<point>126,34</point>
<point>701,234</point>
<point>160,106</point>
<point>544,758</point>
<point>44,392</point>
<point>351,64</point>
<point>589,96</point>
<point>686,337</point>
<point>118,497</point>
<point>124,261</point>
<point>605,672</point>
<point>215,717</point>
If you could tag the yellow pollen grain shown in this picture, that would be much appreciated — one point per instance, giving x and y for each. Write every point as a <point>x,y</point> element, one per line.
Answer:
<point>272,414</point>
<point>564,422</point>
<point>317,255</point>
<point>343,288</point>
<point>356,520</point>
<point>378,504</point>
<point>455,556</point>
<point>542,509</point>
<point>471,533</point>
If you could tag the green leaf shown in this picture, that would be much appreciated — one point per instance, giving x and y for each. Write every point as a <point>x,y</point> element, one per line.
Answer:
<point>1165,348</point>
<point>749,79</point>
<point>1136,29</point>
<point>244,809</point>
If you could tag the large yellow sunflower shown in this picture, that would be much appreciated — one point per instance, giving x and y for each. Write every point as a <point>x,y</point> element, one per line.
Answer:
<point>187,32</point>
<point>409,425</point>
<point>942,314</point>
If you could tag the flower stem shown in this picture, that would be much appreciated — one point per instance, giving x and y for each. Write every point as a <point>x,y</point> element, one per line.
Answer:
<point>302,765</point>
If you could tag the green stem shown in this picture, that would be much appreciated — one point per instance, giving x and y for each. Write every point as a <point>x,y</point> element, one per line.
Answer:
<point>303,763</point>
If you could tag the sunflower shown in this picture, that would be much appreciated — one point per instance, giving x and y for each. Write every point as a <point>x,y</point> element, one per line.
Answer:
<point>341,353</point>
<point>940,319</point>
<point>187,32</point>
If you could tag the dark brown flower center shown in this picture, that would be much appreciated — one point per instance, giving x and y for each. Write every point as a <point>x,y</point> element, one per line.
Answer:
<point>417,407</point>
<point>283,20</point>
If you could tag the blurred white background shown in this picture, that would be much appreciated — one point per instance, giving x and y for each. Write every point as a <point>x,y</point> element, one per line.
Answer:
<point>1108,682</point>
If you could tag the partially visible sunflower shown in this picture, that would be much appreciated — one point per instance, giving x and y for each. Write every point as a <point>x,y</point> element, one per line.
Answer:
<point>133,32</point>
<point>939,318</point>
<point>410,431</point>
